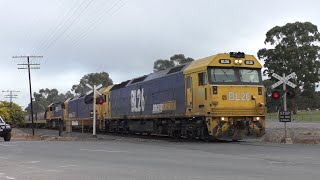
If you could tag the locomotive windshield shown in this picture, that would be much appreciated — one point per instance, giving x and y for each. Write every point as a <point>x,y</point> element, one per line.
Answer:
<point>234,75</point>
<point>222,75</point>
<point>249,75</point>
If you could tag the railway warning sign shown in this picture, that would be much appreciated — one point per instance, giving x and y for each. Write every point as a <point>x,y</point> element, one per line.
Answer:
<point>284,79</point>
<point>285,116</point>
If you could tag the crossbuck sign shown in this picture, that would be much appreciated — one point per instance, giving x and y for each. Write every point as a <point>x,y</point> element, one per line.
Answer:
<point>283,80</point>
<point>95,91</point>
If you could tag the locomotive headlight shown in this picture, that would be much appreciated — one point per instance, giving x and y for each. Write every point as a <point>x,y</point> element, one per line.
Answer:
<point>223,119</point>
<point>240,61</point>
<point>257,118</point>
<point>236,61</point>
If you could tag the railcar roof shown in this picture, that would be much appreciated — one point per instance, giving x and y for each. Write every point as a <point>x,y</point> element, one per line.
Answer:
<point>151,76</point>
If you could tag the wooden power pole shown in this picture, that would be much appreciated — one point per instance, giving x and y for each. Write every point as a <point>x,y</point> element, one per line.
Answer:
<point>28,66</point>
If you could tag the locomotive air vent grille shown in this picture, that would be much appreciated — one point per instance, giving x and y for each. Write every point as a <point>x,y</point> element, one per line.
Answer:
<point>121,85</point>
<point>175,69</point>
<point>139,79</point>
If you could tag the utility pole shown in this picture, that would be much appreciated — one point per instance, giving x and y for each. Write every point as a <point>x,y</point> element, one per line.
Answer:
<point>30,89</point>
<point>11,95</point>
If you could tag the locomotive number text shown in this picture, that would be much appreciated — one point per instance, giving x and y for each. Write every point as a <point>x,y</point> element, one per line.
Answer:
<point>137,100</point>
<point>243,96</point>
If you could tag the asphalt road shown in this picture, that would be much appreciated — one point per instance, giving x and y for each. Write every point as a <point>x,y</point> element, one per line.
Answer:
<point>157,160</point>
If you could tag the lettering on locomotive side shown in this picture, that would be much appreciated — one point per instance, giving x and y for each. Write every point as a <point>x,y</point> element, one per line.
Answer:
<point>137,100</point>
<point>165,106</point>
<point>157,108</point>
<point>243,96</point>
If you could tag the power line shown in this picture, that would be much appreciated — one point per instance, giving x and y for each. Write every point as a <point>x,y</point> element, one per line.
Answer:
<point>55,26</point>
<point>30,89</point>
<point>61,6</point>
<point>117,5</point>
<point>67,25</point>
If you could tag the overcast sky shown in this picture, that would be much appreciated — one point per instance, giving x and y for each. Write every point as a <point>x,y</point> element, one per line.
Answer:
<point>125,37</point>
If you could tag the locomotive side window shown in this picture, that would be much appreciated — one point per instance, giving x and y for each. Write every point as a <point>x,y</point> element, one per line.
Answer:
<point>249,75</point>
<point>202,80</point>
<point>188,82</point>
<point>222,75</point>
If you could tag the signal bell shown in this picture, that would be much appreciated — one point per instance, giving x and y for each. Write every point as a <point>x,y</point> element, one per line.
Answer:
<point>291,94</point>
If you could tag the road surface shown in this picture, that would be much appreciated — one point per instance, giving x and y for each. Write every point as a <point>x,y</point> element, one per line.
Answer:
<point>157,160</point>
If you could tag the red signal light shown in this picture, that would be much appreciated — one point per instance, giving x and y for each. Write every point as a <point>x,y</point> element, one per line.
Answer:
<point>100,100</point>
<point>275,95</point>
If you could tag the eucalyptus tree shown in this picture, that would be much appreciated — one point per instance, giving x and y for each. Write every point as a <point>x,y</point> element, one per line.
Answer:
<point>293,47</point>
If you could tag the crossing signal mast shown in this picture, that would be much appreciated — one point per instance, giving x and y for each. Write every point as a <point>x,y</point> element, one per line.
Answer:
<point>94,90</point>
<point>285,115</point>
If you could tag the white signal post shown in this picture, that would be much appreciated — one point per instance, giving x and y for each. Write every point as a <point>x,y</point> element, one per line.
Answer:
<point>95,91</point>
<point>284,80</point>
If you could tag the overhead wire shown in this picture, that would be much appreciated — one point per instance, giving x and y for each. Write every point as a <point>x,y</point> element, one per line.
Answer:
<point>54,26</point>
<point>63,26</point>
<point>68,24</point>
<point>27,39</point>
<point>76,30</point>
<point>21,73</point>
<point>90,27</point>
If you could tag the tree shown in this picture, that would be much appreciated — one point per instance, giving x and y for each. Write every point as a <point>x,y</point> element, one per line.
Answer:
<point>92,78</point>
<point>45,97</point>
<point>175,60</point>
<point>294,48</point>
<point>12,113</point>
<point>179,59</point>
<point>162,64</point>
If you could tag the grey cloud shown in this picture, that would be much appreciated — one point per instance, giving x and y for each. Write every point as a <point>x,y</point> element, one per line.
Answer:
<point>126,44</point>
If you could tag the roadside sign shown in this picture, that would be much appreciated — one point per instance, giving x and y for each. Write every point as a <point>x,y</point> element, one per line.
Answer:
<point>284,116</point>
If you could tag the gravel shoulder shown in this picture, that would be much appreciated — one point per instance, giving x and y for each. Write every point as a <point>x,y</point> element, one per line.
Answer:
<point>299,132</point>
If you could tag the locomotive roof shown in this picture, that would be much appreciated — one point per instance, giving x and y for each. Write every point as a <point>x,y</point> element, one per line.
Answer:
<point>194,66</point>
<point>202,64</point>
<point>151,76</point>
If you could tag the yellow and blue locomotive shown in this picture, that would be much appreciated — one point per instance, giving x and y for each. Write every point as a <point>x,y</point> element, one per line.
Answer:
<point>218,97</point>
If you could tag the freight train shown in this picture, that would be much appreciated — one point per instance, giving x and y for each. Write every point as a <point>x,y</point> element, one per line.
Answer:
<point>217,97</point>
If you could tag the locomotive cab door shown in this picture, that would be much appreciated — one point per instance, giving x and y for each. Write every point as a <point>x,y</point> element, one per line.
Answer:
<point>189,94</point>
<point>199,92</point>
